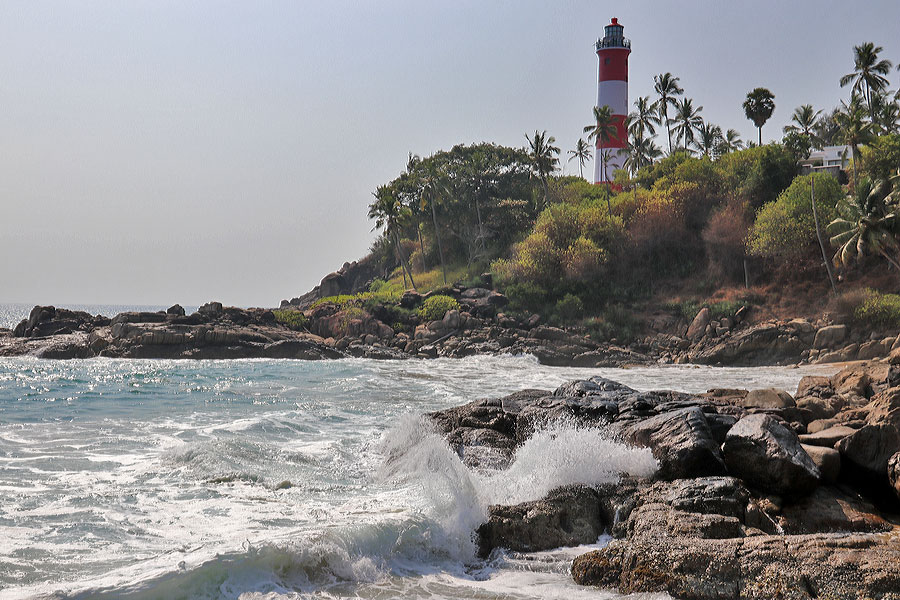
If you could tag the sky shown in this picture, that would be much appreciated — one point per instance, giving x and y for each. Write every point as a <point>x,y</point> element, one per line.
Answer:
<point>163,151</point>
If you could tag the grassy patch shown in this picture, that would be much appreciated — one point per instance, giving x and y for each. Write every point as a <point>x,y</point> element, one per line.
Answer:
<point>292,319</point>
<point>436,307</point>
<point>878,309</point>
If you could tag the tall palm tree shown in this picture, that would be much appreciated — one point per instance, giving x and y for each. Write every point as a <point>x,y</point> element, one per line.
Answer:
<point>666,87</point>
<point>603,130</point>
<point>687,120</point>
<point>869,73</point>
<point>389,213</point>
<point>582,152</point>
<point>853,129</point>
<point>866,224</point>
<point>543,157</point>
<point>643,119</point>
<point>804,121</point>
<point>887,113</point>
<point>433,190</point>
<point>758,107</point>
<point>709,138</point>
<point>730,142</point>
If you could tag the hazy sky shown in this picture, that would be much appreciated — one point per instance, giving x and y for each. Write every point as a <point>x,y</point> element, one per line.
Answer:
<point>170,151</point>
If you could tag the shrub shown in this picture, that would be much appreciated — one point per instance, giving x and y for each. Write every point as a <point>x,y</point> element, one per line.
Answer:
<point>878,309</point>
<point>435,307</point>
<point>784,229</point>
<point>725,238</point>
<point>568,309</point>
<point>614,322</point>
<point>525,296</point>
<point>881,158</point>
<point>292,319</point>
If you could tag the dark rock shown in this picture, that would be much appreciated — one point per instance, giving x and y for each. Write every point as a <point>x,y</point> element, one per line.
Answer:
<point>410,299</point>
<point>827,437</point>
<point>681,441</point>
<point>175,309</point>
<point>831,510</point>
<point>828,460</point>
<point>768,455</point>
<point>568,516</point>
<point>211,309</point>
<point>894,473</point>
<point>870,448</point>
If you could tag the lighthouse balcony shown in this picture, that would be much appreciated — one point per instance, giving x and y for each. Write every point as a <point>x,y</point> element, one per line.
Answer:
<point>615,42</point>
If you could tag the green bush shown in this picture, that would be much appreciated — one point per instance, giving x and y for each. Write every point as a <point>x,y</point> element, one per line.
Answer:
<point>568,309</point>
<point>878,309</point>
<point>614,322</point>
<point>525,296</point>
<point>785,228</point>
<point>435,307</point>
<point>292,319</point>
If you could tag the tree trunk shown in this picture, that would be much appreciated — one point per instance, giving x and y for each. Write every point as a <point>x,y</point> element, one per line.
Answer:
<point>403,261</point>
<point>760,135</point>
<point>812,194</point>
<point>437,237</point>
<point>421,247</point>
<point>480,227</point>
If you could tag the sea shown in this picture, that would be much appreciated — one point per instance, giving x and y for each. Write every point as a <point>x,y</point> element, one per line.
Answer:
<point>271,479</point>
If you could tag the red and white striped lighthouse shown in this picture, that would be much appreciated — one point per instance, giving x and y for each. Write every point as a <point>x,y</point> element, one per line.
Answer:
<point>612,90</point>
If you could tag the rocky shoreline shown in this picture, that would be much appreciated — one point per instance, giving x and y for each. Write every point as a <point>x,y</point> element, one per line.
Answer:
<point>758,495</point>
<point>478,327</point>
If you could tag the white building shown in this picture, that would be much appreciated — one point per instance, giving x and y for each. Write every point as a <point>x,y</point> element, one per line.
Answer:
<point>830,159</point>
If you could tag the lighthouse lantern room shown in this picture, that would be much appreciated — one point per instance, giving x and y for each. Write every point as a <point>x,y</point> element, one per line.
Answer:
<point>612,90</point>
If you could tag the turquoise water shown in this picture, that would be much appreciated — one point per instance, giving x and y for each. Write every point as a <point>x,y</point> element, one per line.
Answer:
<point>282,479</point>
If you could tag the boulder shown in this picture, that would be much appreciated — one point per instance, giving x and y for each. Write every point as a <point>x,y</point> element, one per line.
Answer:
<point>870,448</point>
<point>568,516</point>
<point>698,326</point>
<point>827,438</point>
<point>828,460</point>
<point>768,398</point>
<point>831,510</point>
<point>212,309</point>
<point>768,455</point>
<point>829,336</point>
<point>681,441</point>
<point>175,309</point>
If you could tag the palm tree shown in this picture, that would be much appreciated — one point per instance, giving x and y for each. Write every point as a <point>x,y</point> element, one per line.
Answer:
<point>730,142</point>
<point>687,120</point>
<point>758,107</point>
<point>603,130</point>
<point>666,87</point>
<point>644,119</point>
<point>543,157</point>
<point>869,73</point>
<point>390,213</point>
<point>709,139</point>
<point>433,189</point>
<point>582,152</point>
<point>887,113</point>
<point>804,122</point>
<point>866,224</point>
<point>641,153</point>
<point>853,129</point>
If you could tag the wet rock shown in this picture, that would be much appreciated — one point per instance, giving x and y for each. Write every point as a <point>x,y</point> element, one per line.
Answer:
<point>831,510</point>
<point>681,441</point>
<point>894,473</point>
<point>568,516</point>
<point>766,454</point>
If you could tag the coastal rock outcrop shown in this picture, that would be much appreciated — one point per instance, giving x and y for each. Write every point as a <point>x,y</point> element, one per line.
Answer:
<point>768,455</point>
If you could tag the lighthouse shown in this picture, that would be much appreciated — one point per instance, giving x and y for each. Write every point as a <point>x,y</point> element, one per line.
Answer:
<point>612,90</point>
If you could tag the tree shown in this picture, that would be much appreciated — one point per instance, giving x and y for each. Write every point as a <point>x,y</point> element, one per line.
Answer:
<point>641,153</point>
<point>708,139</point>
<point>887,113</point>
<point>803,123</point>
<point>853,129</point>
<point>603,130</point>
<point>544,157</point>
<point>866,224</point>
<point>687,121</point>
<point>869,73</point>
<point>666,87</point>
<point>643,119</point>
<point>758,107</point>
<point>730,142</point>
<point>582,152</point>
<point>389,213</point>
